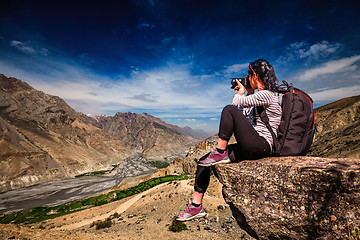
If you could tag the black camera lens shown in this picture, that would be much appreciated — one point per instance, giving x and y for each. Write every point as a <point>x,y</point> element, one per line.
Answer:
<point>244,81</point>
<point>234,83</point>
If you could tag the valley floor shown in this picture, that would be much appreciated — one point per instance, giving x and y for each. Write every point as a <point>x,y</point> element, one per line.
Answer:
<point>146,215</point>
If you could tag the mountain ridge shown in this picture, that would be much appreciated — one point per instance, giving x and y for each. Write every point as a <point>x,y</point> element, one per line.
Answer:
<point>337,129</point>
<point>146,134</point>
<point>43,139</point>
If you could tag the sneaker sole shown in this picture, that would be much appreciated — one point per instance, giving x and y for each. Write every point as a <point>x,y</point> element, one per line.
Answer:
<point>199,215</point>
<point>214,163</point>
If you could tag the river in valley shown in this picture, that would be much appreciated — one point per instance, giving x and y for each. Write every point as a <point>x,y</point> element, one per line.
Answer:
<point>59,192</point>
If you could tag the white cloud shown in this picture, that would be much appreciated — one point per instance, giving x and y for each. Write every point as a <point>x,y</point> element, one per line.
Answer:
<point>25,47</point>
<point>317,50</point>
<point>214,119</point>
<point>335,94</point>
<point>332,67</point>
<point>146,97</point>
<point>190,120</point>
<point>22,46</point>
<point>236,68</point>
<point>303,50</point>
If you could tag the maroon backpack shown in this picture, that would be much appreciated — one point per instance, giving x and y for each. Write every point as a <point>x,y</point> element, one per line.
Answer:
<point>297,126</point>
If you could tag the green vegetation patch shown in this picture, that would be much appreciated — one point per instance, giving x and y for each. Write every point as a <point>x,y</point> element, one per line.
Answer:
<point>97,172</point>
<point>159,164</point>
<point>39,214</point>
<point>177,226</point>
<point>93,173</point>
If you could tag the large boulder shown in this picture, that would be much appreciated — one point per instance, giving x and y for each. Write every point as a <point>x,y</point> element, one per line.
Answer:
<point>294,197</point>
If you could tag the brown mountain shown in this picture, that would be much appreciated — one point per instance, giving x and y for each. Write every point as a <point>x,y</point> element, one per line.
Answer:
<point>146,134</point>
<point>197,134</point>
<point>42,138</point>
<point>337,129</point>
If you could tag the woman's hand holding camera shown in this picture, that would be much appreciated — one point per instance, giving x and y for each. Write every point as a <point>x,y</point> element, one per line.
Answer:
<point>241,89</point>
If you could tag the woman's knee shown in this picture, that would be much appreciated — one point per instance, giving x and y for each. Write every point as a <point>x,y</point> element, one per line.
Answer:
<point>229,108</point>
<point>232,110</point>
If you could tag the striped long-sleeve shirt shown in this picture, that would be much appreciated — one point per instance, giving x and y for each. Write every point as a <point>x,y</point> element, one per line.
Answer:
<point>270,101</point>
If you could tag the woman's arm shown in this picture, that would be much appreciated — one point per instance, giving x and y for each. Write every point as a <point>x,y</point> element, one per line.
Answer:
<point>260,98</point>
<point>240,93</point>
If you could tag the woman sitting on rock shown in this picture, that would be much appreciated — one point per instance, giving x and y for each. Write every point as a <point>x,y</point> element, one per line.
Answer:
<point>254,141</point>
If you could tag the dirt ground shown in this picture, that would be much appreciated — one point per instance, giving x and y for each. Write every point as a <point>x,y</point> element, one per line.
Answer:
<point>147,215</point>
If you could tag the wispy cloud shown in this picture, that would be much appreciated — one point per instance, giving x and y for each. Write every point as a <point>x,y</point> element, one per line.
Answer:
<point>335,94</point>
<point>331,67</point>
<point>27,48</point>
<point>190,120</point>
<point>305,51</point>
<point>23,47</point>
<point>236,68</point>
<point>145,25</point>
<point>320,49</point>
<point>146,97</point>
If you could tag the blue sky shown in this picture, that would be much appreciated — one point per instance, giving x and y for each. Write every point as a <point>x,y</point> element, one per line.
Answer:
<point>174,59</point>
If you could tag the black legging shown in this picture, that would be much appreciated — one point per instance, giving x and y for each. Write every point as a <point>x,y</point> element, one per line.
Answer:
<point>249,144</point>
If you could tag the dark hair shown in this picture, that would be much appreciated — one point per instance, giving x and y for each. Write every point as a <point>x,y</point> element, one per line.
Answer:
<point>266,73</point>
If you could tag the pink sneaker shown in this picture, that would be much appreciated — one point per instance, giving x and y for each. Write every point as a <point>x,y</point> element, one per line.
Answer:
<point>191,212</point>
<point>214,158</point>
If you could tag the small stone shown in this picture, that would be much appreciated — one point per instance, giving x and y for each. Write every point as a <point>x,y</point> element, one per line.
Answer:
<point>207,227</point>
<point>212,219</point>
<point>221,207</point>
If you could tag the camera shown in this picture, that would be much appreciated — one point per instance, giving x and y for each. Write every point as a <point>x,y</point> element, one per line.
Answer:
<point>244,81</point>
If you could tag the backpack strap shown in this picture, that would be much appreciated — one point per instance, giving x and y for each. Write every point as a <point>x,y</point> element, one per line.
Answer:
<point>264,117</point>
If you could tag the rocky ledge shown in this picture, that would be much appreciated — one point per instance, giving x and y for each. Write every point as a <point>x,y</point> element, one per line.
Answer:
<point>294,197</point>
